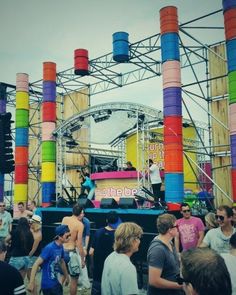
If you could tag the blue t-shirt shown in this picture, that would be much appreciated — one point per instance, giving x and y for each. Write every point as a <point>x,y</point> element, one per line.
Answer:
<point>88,183</point>
<point>52,255</point>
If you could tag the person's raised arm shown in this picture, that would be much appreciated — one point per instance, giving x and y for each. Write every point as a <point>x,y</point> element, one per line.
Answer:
<point>34,270</point>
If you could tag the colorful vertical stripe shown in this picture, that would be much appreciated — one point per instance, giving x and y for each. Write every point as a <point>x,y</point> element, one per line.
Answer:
<point>229,9</point>
<point>173,141</point>
<point>48,147</point>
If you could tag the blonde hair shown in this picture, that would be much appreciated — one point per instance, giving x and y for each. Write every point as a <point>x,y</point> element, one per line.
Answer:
<point>210,218</point>
<point>125,234</point>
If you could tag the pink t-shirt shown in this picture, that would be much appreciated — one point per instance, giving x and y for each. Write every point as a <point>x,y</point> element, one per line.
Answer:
<point>189,231</point>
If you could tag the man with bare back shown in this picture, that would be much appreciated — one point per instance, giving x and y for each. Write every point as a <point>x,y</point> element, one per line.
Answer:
<point>74,253</point>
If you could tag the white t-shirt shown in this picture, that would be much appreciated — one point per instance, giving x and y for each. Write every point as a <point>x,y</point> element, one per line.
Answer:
<point>119,275</point>
<point>230,261</point>
<point>154,174</point>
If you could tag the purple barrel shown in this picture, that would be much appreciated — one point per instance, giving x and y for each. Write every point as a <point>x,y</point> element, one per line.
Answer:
<point>3,106</point>
<point>172,110</point>
<point>49,91</point>
<point>172,96</point>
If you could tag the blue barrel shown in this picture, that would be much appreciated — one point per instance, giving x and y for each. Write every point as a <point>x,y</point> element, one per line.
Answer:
<point>231,54</point>
<point>49,91</point>
<point>172,110</point>
<point>48,191</point>
<point>1,178</point>
<point>1,192</point>
<point>170,47</point>
<point>228,4</point>
<point>22,136</point>
<point>174,187</point>
<point>120,46</point>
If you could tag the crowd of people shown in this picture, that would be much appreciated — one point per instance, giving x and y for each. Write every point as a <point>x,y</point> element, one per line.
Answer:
<point>187,256</point>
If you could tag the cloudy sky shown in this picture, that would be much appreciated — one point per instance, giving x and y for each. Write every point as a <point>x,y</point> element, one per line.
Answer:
<point>32,32</point>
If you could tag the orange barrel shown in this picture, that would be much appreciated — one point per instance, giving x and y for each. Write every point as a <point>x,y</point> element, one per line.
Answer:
<point>20,193</point>
<point>169,20</point>
<point>173,161</point>
<point>230,23</point>
<point>81,62</point>
<point>21,155</point>
<point>22,82</point>
<point>233,178</point>
<point>22,100</point>
<point>49,71</point>
<point>173,125</point>
<point>21,174</point>
<point>47,130</point>
<point>174,147</point>
<point>49,111</point>
<point>171,74</point>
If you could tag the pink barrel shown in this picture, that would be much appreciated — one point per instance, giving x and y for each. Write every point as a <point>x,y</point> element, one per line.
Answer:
<point>22,82</point>
<point>232,118</point>
<point>47,129</point>
<point>171,74</point>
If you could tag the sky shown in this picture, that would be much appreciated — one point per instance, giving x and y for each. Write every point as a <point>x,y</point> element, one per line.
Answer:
<point>32,32</point>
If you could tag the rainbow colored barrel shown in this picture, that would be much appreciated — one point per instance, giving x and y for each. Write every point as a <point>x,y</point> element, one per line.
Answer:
<point>22,138</point>
<point>48,147</point>
<point>229,10</point>
<point>173,141</point>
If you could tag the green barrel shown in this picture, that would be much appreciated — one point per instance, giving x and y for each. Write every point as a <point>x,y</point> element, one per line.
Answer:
<point>49,151</point>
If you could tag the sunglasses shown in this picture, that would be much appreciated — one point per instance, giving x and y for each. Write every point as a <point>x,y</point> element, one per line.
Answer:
<point>186,211</point>
<point>220,217</point>
<point>174,226</point>
<point>2,205</point>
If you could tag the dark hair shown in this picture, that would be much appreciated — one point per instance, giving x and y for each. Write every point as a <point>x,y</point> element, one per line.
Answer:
<point>205,269</point>
<point>77,209</point>
<point>184,205</point>
<point>23,232</point>
<point>232,241</point>
<point>112,217</point>
<point>21,203</point>
<point>227,209</point>
<point>3,246</point>
<point>150,161</point>
<point>165,222</point>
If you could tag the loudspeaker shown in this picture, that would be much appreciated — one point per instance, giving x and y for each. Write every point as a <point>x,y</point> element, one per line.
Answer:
<point>108,203</point>
<point>86,203</point>
<point>127,203</point>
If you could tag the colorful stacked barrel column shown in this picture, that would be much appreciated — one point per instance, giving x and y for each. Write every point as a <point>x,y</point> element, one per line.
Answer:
<point>22,138</point>
<point>48,150</point>
<point>173,146</point>
<point>229,8</point>
<point>3,106</point>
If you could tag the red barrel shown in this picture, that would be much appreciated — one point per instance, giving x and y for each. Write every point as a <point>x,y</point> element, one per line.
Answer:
<point>21,174</point>
<point>169,139</point>
<point>81,62</point>
<point>49,111</point>
<point>173,161</point>
<point>21,155</point>
<point>173,125</point>
<point>49,71</point>
<point>169,20</point>
<point>230,23</point>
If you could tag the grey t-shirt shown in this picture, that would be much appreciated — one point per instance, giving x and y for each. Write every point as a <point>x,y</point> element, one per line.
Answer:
<point>160,256</point>
<point>216,240</point>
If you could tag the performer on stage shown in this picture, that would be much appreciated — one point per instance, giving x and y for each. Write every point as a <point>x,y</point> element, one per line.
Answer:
<point>129,167</point>
<point>155,179</point>
<point>87,184</point>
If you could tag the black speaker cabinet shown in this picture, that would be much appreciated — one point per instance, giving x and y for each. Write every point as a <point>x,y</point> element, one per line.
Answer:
<point>127,203</point>
<point>86,203</point>
<point>107,203</point>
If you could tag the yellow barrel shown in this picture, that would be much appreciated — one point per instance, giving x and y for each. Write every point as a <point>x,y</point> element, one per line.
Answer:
<point>22,100</point>
<point>20,193</point>
<point>48,172</point>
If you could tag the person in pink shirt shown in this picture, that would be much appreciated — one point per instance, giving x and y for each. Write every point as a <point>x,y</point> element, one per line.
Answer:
<point>190,230</point>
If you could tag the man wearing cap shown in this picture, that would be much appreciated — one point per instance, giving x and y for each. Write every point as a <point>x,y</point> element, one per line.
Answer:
<point>101,247</point>
<point>5,222</point>
<point>74,252</point>
<point>129,167</point>
<point>50,259</point>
